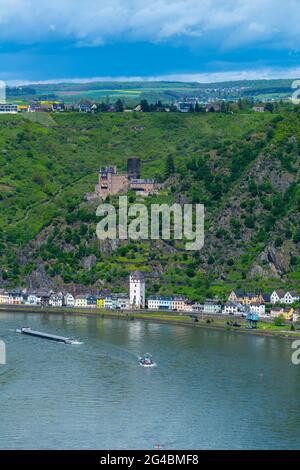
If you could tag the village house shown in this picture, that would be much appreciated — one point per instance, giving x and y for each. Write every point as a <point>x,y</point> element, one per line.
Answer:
<point>22,108</point>
<point>80,301</point>
<point>160,302</point>
<point>31,298</point>
<point>282,297</point>
<point>189,306</point>
<point>119,302</point>
<point>194,306</point>
<point>258,109</point>
<point>212,306</point>
<point>183,107</point>
<point>84,108</point>
<point>108,303</point>
<point>33,107</point>
<point>213,107</point>
<point>91,300</point>
<point>69,300</point>
<point>258,308</point>
<point>7,108</point>
<point>178,304</point>
<point>57,107</point>
<point>245,298</point>
<point>287,313</point>
<point>100,303</point>
<point>290,297</point>
<point>3,296</point>
<point>153,302</point>
<point>277,296</point>
<point>46,106</point>
<point>123,302</point>
<point>44,296</point>
<point>235,295</point>
<point>114,305</point>
<point>56,300</point>
<point>233,308</point>
<point>15,297</point>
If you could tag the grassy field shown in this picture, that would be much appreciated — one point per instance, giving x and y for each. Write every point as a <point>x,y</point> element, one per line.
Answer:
<point>164,90</point>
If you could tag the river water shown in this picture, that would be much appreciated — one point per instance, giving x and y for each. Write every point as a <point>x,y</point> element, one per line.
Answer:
<point>209,390</point>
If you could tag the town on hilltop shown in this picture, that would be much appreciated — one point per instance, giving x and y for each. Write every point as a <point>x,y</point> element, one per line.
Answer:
<point>278,303</point>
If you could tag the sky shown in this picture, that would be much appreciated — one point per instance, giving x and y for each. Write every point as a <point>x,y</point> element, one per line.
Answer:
<point>191,40</point>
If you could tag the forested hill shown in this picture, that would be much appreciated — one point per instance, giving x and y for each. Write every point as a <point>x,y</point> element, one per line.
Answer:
<point>243,167</point>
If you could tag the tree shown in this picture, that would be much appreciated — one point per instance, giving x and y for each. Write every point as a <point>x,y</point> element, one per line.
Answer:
<point>102,107</point>
<point>269,107</point>
<point>279,321</point>
<point>170,168</point>
<point>145,106</point>
<point>296,237</point>
<point>119,106</point>
<point>225,107</point>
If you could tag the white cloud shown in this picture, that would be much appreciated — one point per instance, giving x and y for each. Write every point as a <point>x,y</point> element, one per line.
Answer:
<point>214,77</point>
<point>92,22</point>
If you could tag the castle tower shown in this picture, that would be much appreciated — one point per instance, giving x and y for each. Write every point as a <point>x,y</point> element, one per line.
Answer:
<point>133,167</point>
<point>137,289</point>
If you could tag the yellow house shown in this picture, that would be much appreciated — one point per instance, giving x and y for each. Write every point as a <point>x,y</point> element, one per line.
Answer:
<point>287,313</point>
<point>245,298</point>
<point>100,303</point>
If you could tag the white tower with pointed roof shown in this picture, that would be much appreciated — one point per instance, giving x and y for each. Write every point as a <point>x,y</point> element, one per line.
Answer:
<point>137,289</point>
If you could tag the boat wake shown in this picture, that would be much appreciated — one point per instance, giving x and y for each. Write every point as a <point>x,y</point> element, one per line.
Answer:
<point>149,365</point>
<point>119,354</point>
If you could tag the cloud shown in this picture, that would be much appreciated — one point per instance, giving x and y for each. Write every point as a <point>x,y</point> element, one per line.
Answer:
<point>228,24</point>
<point>214,77</point>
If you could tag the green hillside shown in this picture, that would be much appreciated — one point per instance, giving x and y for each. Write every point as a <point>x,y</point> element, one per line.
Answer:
<point>243,167</point>
<point>167,91</point>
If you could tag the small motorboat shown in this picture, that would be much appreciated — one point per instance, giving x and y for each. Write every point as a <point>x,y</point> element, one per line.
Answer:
<point>146,360</point>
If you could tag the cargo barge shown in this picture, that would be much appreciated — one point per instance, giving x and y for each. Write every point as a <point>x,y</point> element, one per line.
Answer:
<point>38,334</point>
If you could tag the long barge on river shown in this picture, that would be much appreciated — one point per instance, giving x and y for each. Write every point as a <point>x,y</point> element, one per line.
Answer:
<point>39,334</point>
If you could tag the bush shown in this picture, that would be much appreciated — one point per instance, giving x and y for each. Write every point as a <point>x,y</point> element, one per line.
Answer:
<point>279,321</point>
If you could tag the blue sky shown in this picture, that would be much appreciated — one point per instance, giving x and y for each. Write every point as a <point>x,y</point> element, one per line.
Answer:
<point>169,39</point>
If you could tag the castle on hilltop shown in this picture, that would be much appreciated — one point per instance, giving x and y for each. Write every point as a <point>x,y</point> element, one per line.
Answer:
<point>111,182</point>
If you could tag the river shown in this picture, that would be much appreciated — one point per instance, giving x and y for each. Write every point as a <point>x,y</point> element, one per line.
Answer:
<point>209,390</point>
